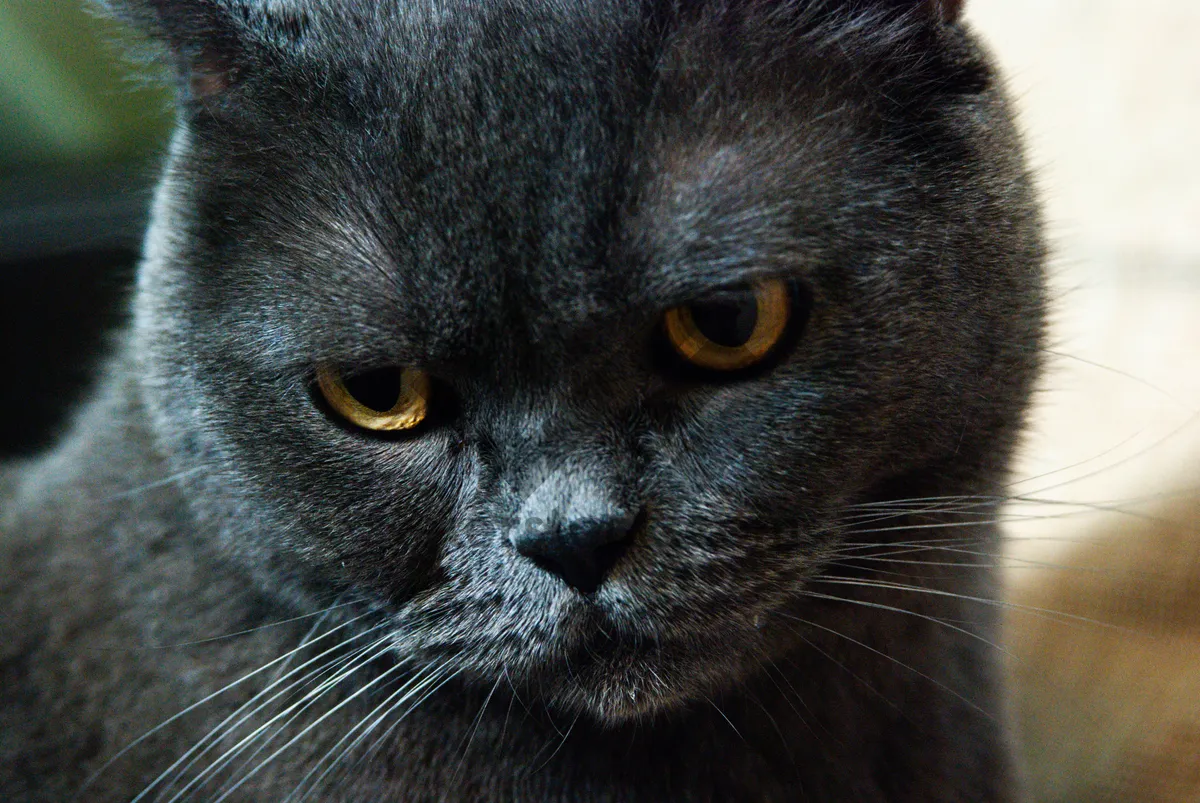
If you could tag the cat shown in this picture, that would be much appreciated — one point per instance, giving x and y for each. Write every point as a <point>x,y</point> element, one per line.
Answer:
<point>542,402</point>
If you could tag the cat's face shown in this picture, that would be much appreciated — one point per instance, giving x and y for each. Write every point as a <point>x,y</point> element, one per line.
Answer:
<point>511,198</point>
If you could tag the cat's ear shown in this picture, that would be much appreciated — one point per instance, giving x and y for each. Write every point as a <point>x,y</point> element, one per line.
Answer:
<point>205,41</point>
<point>947,11</point>
<point>944,11</point>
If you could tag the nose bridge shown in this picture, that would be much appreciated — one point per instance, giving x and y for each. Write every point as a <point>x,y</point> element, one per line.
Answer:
<point>574,490</point>
<point>575,467</point>
<point>567,494</point>
<point>564,453</point>
<point>575,527</point>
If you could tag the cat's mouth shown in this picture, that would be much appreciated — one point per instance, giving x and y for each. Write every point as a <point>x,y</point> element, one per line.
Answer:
<point>617,679</point>
<point>616,674</point>
<point>620,655</point>
<point>617,682</point>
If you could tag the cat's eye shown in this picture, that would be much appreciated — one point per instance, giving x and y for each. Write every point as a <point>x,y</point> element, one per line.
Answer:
<point>382,400</point>
<point>733,330</point>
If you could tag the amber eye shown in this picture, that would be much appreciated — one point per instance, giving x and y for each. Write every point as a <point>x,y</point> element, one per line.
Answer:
<point>383,400</point>
<point>731,331</point>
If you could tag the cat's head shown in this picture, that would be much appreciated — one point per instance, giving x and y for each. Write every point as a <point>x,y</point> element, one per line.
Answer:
<point>662,287</point>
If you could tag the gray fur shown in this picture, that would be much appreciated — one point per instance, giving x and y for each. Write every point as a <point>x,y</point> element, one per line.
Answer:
<point>510,194</point>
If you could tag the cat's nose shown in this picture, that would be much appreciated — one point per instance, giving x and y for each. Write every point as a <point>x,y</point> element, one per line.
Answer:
<point>580,552</point>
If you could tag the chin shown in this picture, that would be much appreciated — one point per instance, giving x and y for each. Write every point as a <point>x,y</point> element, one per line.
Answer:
<point>617,683</point>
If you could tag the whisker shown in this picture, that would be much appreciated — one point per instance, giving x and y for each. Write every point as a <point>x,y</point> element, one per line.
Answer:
<point>982,508</point>
<point>848,670</point>
<point>228,687</point>
<point>557,749</point>
<point>511,699</point>
<point>1005,562</point>
<point>921,500</point>
<point>1056,616</point>
<point>717,708</point>
<point>1141,452</point>
<point>787,743</point>
<point>1125,375</point>
<point>896,661</point>
<point>307,637</point>
<point>366,687</point>
<point>239,716</point>
<point>893,609</point>
<point>957,544</point>
<point>1081,509</point>
<point>409,688</point>
<point>441,683</point>
<point>162,483</point>
<point>1093,459</point>
<point>770,664</point>
<point>325,678</point>
<point>323,614</point>
<point>892,551</point>
<point>475,725</point>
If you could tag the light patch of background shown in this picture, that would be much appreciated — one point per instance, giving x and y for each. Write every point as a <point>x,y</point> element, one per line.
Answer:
<point>1109,97</point>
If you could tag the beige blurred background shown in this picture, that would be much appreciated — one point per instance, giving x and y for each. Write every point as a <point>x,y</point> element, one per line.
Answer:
<point>1109,96</point>
<point>1107,697</point>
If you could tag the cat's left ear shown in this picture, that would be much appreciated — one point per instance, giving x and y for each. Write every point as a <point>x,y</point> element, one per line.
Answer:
<point>946,11</point>
<point>208,42</point>
<point>943,11</point>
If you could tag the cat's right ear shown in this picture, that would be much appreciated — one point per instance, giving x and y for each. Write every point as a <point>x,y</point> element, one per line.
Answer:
<point>198,38</point>
<point>944,11</point>
<point>947,11</point>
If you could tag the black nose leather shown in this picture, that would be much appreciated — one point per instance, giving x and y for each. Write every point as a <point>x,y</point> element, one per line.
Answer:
<point>580,552</point>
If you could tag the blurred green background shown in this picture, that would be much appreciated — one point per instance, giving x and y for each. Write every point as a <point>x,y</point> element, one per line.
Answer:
<point>81,137</point>
<point>65,99</point>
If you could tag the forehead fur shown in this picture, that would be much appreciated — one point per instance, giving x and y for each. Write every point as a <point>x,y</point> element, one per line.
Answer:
<point>509,171</point>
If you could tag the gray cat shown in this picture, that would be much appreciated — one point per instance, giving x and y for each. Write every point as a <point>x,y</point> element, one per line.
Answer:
<point>532,401</point>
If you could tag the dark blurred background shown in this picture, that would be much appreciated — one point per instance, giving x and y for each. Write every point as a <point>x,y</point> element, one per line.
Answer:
<point>81,136</point>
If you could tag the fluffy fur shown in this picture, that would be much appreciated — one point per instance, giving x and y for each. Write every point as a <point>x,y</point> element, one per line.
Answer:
<point>509,195</point>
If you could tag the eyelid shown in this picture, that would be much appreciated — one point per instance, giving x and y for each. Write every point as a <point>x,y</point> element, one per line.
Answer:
<point>774,302</point>
<point>408,412</point>
<point>731,279</point>
<point>735,292</point>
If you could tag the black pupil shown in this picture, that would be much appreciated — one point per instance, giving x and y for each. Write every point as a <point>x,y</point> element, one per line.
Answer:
<point>378,390</point>
<point>727,321</point>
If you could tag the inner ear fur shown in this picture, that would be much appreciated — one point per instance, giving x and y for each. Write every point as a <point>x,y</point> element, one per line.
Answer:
<point>947,11</point>
<point>204,41</point>
<point>198,38</point>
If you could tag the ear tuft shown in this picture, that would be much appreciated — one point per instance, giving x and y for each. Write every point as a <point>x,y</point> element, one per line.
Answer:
<point>944,11</point>
<point>948,11</point>
<point>211,73</point>
<point>200,39</point>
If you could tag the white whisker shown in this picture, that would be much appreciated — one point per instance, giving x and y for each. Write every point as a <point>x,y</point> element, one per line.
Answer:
<point>410,687</point>
<point>391,728</point>
<point>366,687</point>
<point>228,687</point>
<point>475,725</point>
<point>321,679</point>
<point>150,486</point>
<point>1055,616</point>
<point>896,661</point>
<point>893,609</point>
<point>239,716</point>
